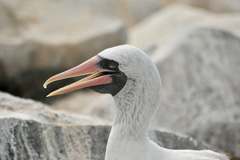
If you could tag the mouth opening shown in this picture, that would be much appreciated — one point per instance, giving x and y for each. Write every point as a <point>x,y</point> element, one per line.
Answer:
<point>95,72</point>
<point>85,82</point>
<point>95,75</point>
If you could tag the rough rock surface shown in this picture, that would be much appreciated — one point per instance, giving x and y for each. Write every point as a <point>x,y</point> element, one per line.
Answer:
<point>213,5</point>
<point>87,103</point>
<point>221,133</point>
<point>201,89</point>
<point>129,12</point>
<point>163,27</point>
<point>30,130</point>
<point>27,139</point>
<point>24,109</point>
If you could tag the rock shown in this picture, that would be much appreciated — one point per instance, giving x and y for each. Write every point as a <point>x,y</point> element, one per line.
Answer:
<point>194,94</point>
<point>41,38</point>
<point>7,26</point>
<point>30,130</point>
<point>27,139</point>
<point>129,12</point>
<point>87,103</point>
<point>24,109</point>
<point>221,132</point>
<point>213,5</point>
<point>164,26</point>
<point>201,89</point>
<point>36,42</point>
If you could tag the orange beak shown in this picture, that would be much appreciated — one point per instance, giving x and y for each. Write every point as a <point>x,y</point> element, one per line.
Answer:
<point>95,77</point>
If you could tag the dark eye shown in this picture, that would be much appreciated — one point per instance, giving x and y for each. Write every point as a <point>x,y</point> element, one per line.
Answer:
<point>108,64</point>
<point>112,65</point>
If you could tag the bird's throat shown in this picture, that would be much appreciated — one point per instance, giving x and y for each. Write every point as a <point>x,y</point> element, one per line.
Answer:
<point>123,144</point>
<point>135,106</point>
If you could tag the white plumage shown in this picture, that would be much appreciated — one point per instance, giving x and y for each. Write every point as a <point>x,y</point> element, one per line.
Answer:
<point>130,76</point>
<point>135,104</point>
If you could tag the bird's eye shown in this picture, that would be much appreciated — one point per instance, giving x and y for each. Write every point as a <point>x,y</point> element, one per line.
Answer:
<point>112,66</point>
<point>109,64</point>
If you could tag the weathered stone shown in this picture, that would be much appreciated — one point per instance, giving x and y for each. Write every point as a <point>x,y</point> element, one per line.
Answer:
<point>201,89</point>
<point>221,132</point>
<point>128,11</point>
<point>27,139</point>
<point>7,25</point>
<point>164,26</point>
<point>87,103</point>
<point>213,5</point>
<point>30,130</point>
<point>13,107</point>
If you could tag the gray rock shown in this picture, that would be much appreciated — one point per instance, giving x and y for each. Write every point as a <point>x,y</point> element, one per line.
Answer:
<point>201,87</point>
<point>27,139</point>
<point>164,26</point>
<point>25,109</point>
<point>213,5</point>
<point>30,130</point>
<point>87,103</point>
<point>221,133</point>
<point>7,25</point>
<point>129,12</point>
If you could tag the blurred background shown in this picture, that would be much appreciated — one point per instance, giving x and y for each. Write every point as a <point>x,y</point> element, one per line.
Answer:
<point>194,43</point>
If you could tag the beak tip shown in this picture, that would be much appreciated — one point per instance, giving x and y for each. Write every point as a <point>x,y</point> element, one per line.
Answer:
<point>49,95</point>
<point>54,93</point>
<point>45,84</point>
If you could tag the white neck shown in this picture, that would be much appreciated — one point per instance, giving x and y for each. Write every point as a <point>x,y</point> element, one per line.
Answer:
<point>134,109</point>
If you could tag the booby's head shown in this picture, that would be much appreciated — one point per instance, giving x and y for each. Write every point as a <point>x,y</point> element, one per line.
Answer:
<point>126,73</point>
<point>110,71</point>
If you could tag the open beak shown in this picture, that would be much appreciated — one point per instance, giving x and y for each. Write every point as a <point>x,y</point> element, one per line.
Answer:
<point>94,77</point>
